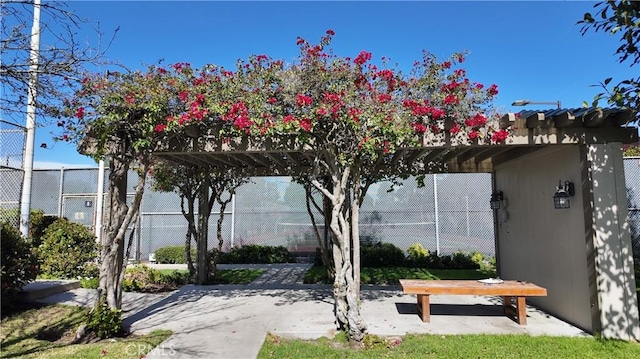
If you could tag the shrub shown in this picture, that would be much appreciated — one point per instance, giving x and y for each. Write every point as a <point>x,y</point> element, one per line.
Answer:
<point>105,322</point>
<point>256,254</point>
<point>381,255</point>
<point>173,255</point>
<point>38,225</point>
<point>461,260</point>
<point>139,278</point>
<point>418,256</point>
<point>68,250</point>
<point>417,251</point>
<point>18,262</point>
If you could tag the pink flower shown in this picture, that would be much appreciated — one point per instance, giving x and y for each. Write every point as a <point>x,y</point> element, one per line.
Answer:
<point>288,119</point>
<point>363,57</point>
<point>160,127</point>
<point>330,32</point>
<point>130,98</point>
<point>499,136</point>
<point>305,124</point>
<point>473,134</point>
<point>454,129</point>
<point>272,100</point>
<point>384,98</point>
<point>451,100</point>
<point>303,100</point>
<point>446,64</point>
<point>476,121</point>
<point>492,90</point>
<point>419,127</point>
<point>80,113</point>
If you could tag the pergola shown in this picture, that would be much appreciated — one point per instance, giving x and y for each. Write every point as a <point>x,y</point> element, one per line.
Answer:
<point>582,255</point>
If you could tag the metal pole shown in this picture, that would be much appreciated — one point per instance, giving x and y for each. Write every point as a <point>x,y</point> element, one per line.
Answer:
<point>233,218</point>
<point>100,202</point>
<point>435,209</point>
<point>25,201</point>
<point>61,193</point>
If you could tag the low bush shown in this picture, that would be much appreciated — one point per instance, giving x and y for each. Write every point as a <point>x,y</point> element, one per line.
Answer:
<point>18,263</point>
<point>173,255</point>
<point>139,278</point>
<point>461,260</point>
<point>256,254</point>
<point>105,322</point>
<point>39,223</point>
<point>68,250</point>
<point>381,255</point>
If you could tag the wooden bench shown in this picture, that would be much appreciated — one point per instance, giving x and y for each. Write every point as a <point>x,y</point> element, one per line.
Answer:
<point>509,290</point>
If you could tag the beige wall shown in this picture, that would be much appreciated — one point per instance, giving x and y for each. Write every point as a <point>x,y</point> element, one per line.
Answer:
<point>608,228</point>
<point>539,243</point>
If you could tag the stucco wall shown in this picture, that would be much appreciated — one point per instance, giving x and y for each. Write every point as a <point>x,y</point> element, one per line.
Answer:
<point>539,243</point>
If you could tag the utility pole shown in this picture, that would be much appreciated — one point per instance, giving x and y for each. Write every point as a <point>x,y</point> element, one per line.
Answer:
<point>25,201</point>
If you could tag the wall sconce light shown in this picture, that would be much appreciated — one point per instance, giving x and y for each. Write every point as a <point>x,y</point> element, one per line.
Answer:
<point>496,199</point>
<point>88,204</point>
<point>562,195</point>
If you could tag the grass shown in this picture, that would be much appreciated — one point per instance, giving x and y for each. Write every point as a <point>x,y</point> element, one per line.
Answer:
<point>452,346</point>
<point>391,275</point>
<point>237,276</point>
<point>46,332</point>
<point>223,276</point>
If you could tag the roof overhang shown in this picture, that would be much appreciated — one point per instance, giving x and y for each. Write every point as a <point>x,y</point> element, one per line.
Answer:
<point>532,130</point>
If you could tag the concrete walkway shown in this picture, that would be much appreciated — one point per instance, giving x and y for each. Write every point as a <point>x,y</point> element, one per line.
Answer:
<point>231,321</point>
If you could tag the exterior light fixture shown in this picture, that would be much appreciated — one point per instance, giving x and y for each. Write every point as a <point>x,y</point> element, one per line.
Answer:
<point>496,199</point>
<point>88,204</point>
<point>562,195</point>
<point>528,102</point>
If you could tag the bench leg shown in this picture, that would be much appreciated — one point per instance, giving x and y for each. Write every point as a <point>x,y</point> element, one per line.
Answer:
<point>424,311</point>
<point>506,304</point>
<point>521,308</point>
<point>519,311</point>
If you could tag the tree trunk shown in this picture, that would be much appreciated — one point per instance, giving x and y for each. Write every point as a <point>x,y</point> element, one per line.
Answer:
<point>216,257</point>
<point>322,244</point>
<point>192,232</point>
<point>119,217</point>
<point>204,210</point>
<point>347,307</point>
<point>355,229</point>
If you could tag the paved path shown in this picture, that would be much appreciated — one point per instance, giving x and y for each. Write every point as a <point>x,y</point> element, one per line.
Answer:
<point>231,321</point>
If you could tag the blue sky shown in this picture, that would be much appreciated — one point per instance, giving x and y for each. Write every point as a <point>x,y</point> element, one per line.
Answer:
<point>531,50</point>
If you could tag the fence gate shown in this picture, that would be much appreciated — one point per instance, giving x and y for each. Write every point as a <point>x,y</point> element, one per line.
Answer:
<point>80,209</point>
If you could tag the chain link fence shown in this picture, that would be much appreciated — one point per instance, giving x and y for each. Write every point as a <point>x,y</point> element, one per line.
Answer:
<point>449,213</point>
<point>12,139</point>
<point>632,181</point>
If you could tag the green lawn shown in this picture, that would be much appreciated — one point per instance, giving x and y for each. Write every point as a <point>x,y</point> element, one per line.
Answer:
<point>223,276</point>
<point>391,275</point>
<point>452,346</point>
<point>46,331</point>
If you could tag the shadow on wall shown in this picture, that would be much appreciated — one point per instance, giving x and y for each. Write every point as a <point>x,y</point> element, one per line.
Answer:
<point>613,251</point>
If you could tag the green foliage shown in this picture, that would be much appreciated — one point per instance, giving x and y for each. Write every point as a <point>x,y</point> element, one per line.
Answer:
<point>173,255</point>
<point>89,283</point>
<point>68,250</point>
<point>461,260</point>
<point>256,254</point>
<point>105,322</point>
<point>18,262</point>
<point>619,18</point>
<point>138,278</point>
<point>631,150</point>
<point>38,224</point>
<point>416,250</point>
<point>381,255</point>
